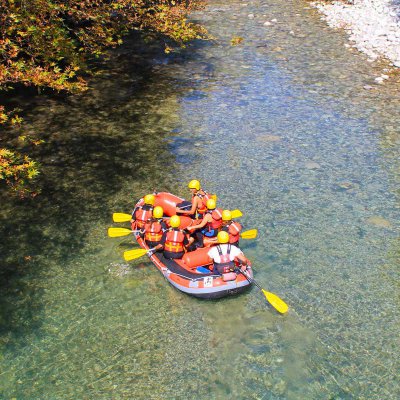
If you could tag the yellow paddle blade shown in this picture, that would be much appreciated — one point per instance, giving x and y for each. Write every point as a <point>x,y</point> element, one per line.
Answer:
<point>236,213</point>
<point>250,234</point>
<point>133,254</point>
<point>121,217</point>
<point>117,232</point>
<point>276,302</point>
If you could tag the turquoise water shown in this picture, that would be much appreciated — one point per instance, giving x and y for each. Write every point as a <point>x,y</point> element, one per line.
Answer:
<point>280,127</point>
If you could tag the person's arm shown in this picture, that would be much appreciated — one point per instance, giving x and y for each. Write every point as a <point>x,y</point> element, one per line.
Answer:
<point>195,204</point>
<point>134,214</point>
<point>162,241</point>
<point>211,253</point>
<point>243,260</point>
<point>164,226</point>
<point>203,223</point>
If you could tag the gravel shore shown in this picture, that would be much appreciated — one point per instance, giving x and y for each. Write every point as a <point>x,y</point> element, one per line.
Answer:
<point>373,25</point>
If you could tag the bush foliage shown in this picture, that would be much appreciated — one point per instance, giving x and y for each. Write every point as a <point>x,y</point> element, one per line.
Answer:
<point>48,43</point>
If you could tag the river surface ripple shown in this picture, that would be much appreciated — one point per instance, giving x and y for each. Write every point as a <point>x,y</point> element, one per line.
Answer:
<point>290,127</point>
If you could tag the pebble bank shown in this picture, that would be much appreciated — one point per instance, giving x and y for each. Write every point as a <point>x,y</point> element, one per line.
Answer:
<point>373,25</point>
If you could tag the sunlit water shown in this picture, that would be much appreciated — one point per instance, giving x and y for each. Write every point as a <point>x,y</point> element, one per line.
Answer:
<point>279,126</point>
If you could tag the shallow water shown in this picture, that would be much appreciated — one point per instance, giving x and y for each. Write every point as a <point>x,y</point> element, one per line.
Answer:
<point>279,126</point>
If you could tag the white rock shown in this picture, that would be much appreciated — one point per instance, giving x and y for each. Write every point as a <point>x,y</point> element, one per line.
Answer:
<point>267,23</point>
<point>251,16</point>
<point>274,20</point>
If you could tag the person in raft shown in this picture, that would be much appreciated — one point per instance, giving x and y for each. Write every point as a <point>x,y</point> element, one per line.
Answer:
<point>232,227</point>
<point>199,201</point>
<point>142,214</point>
<point>209,225</point>
<point>225,254</point>
<point>174,241</point>
<point>155,227</point>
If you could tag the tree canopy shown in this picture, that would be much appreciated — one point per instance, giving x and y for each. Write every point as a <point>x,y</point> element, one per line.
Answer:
<point>48,43</point>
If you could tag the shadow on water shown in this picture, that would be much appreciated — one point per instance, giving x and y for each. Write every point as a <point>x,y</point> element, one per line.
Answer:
<point>96,144</point>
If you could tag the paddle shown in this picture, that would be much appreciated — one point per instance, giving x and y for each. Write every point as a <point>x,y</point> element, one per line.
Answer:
<point>236,213</point>
<point>121,217</point>
<point>136,253</point>
<point>117,232</point>
<point>273,299</point>
<point>250,234</point>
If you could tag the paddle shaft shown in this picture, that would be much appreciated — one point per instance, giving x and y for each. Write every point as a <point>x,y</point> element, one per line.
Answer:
<point>251,280</point>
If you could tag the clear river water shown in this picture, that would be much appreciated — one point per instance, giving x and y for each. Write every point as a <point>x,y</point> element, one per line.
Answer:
<point>290,127</point>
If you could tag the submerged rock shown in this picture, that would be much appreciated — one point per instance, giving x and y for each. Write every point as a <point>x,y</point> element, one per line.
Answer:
<point>312,165</point>
<point>268,138</point>
<point>379,221</point>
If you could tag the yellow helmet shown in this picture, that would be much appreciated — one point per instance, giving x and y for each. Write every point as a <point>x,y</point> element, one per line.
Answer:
<point>211,204</point>
<point>158,212</point>
<point>149,199</point>
<point>194,184</point>
<point>175,221</point>
<point>226,215</point>
<point>223,237</point>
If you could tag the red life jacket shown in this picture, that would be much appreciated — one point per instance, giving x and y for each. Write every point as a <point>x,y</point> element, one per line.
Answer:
<point>174,241</point>
<point>204,197</point>
<point>225,264</point>
<point>216,221</point>
<point>234,229</point>
<point>142,216</point>
<point>153,231</point>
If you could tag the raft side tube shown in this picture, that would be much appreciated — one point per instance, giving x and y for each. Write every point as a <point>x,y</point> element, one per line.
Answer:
<point>197,258</point>
<point>168,202</point>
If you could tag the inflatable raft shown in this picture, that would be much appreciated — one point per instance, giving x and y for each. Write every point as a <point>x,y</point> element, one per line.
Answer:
<point>193,274</point>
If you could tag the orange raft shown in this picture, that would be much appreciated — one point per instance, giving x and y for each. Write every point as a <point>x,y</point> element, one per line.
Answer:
<point>193,274</point>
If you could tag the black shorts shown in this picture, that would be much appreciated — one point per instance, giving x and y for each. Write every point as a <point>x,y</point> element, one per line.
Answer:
<point>172,256</point>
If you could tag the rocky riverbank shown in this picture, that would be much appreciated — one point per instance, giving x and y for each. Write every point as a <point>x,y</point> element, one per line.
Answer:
<point>373,25</point>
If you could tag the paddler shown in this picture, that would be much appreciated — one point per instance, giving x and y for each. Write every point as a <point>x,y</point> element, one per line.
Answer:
<point>174,241</point>
<point>142,214</point>
<point>209,225</point>
<point>199,201</point>
<point>225,254</point>
<point>155,228</point>
<point>232,227</point>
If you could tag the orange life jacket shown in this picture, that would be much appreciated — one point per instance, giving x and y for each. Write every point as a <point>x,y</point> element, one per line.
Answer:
<point>233,229</point>
<point>174,241</point>
<point>153,231</point>
<point>216,221</point>
<point>204,197</point>
<point>142,216</point>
